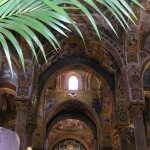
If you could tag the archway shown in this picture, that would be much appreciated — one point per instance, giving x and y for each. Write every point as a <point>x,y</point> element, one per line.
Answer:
<point>91,103</point>
<point>72,121</point>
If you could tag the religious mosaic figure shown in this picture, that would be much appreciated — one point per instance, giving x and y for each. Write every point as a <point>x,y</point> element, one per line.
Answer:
<point>97,105</point>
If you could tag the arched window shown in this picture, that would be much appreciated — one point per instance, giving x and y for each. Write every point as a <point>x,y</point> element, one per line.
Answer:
<point>73,83</point>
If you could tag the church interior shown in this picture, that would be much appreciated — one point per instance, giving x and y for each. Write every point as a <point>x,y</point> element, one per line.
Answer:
<point>85,97</point>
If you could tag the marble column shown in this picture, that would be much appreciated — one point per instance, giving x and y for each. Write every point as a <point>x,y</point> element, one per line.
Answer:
<point>139,131</point>
<point>22,107</point>
<point>30,128</point>
<point>123,137</point>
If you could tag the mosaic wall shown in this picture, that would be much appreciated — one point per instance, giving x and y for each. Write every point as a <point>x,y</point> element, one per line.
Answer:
<point>121,103</point>
<point>6,75</point>
<point>73,128</point>
<point>69,144</point>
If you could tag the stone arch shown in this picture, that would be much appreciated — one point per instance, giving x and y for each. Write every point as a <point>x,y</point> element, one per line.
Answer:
<point>98,68</point>
<point>81,107</point>
<point>71,137</point>
<point>74,109</point>
<point>111,45</point>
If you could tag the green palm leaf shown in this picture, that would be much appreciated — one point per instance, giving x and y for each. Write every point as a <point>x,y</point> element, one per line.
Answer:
<point>23,16</point>
<point>27,16</point>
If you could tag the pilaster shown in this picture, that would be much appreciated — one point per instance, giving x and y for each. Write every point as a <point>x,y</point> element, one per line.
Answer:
<point>136,111</point>
<point>22,107</point>
<point>30,128</point>
<point>123,137</point>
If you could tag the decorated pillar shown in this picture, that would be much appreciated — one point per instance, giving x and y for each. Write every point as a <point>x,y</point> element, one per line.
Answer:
<point>139,131</point>
<point>30,128</point>
<point>22,107</point>
<point>122,121</point>
<point>23,100</point>
<point>123,137</point>
<point>135,57</point>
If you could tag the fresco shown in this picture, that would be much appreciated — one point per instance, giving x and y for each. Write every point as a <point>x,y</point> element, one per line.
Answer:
<point>69,144</point>
<point>71,124</point>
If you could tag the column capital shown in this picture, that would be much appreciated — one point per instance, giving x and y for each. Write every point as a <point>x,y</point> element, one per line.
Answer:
<point>136,109</point>
<point>22,105</point>
<point>30,128</point>
<point>122,129</point>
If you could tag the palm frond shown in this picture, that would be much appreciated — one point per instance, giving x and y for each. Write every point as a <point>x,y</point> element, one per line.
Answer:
<point>25,16</point>
<point>119,8</point>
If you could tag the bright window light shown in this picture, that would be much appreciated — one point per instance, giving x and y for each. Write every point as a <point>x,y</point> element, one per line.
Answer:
<point>73,83</point>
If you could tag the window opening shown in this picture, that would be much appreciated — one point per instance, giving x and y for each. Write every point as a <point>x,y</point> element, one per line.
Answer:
<point>73,83</point>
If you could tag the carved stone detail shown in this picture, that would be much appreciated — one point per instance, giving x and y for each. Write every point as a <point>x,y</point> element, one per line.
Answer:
<point>22,105</point>
<point>136,109</point>
<point>122,129</point>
